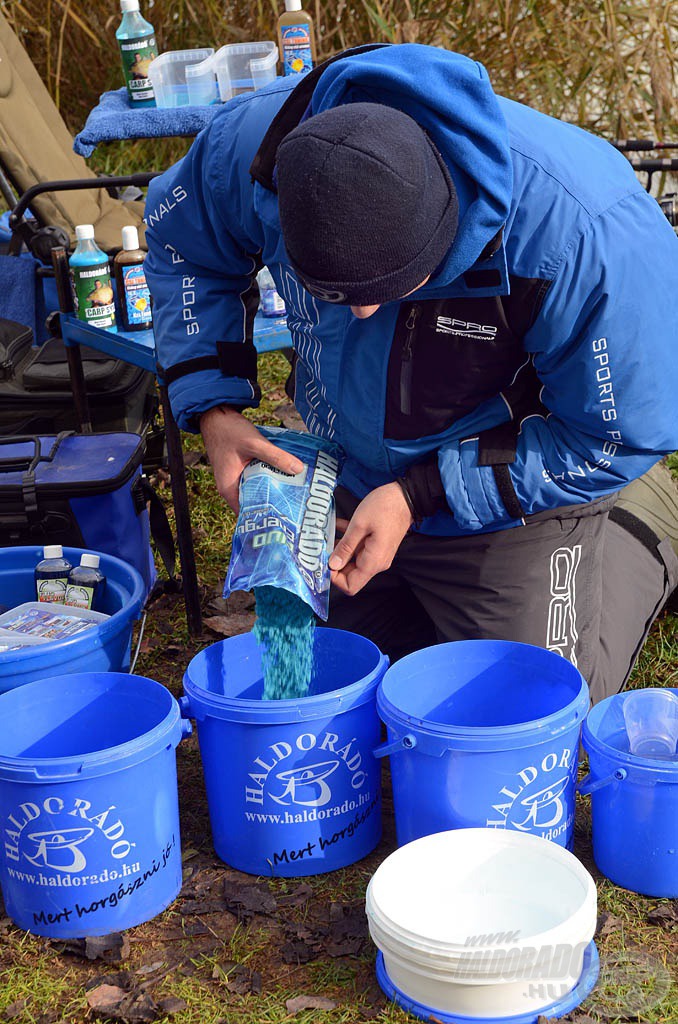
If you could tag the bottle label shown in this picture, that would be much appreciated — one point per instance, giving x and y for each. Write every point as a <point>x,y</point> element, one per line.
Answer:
<point>93,294</point>
<point>271,303</point>
<point>78,596</point>
<point>136,299</point>
<point>296,49</point>
<point>137,55</point>
<point>52,591</point>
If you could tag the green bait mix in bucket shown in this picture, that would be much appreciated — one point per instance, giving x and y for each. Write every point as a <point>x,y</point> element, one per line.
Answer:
<point>281,547</point>
<point>284,629</point>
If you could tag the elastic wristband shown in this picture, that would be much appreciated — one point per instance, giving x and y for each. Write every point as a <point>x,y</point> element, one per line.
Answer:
<point>402,482</point>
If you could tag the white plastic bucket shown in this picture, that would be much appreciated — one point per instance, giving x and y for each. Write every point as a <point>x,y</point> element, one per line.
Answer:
<point>482,923</point>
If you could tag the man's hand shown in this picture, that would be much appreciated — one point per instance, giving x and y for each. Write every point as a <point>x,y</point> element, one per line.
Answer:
<point>231,442</point>
<point>372,538</point>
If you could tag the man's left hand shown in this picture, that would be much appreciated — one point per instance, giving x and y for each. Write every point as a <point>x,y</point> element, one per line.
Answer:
<point>371,539</point>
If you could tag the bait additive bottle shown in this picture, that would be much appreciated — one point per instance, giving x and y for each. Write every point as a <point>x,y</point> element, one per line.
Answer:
<point>296,38</point>
<point>86,584</point>
<point>51,575</point>
<point>134,298</point>
<point>91,281</point>
<point>136,39</point>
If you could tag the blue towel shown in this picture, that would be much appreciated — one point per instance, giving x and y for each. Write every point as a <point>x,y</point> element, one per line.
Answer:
<point>21,297</point>
<point>113,118</point>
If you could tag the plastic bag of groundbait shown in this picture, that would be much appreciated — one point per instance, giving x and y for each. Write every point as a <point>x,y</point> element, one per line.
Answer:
<point>285,530</point>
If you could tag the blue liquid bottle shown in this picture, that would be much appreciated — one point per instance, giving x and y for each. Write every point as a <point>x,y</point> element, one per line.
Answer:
<point>136,39</point>
<point>91,281</point>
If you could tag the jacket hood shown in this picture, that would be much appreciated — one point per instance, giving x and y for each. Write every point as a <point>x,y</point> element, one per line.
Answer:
<point>450,96</point>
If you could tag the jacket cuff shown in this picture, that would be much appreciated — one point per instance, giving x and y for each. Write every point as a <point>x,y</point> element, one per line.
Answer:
<point>425,488</point>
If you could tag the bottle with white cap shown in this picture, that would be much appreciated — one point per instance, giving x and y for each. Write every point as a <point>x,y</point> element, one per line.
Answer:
<point>86,583</point>
<point>134,298</point>
<point>296,38</point>
<point>136,39</point>
<point>51,575</point>
<point>91,280</point>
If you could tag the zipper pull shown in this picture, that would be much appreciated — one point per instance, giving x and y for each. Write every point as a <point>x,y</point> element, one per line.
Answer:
<point>406,363</point>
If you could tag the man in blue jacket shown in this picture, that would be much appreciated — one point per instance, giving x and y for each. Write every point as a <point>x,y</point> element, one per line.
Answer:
<point>484,308</point>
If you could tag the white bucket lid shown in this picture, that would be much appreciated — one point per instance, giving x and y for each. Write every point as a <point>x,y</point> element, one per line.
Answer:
<point>452,895</point>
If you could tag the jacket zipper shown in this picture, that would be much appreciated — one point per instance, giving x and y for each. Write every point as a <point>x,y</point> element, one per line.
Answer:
<point>406,362</point>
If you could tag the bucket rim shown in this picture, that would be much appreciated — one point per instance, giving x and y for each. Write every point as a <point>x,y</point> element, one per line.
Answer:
<point>569,1002</point>
<point>500,737</point>
<point>114,623</point>
<point>269,712</point>
<point>44,770</point>
<point>581,921</point>
<point>645,769</point>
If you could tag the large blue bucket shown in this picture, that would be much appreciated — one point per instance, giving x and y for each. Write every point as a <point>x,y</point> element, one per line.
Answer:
<point>293,787</point>
<point>634,806</point>
<point>88,803</point>
<point>103,648</point>
<point>483,733</point>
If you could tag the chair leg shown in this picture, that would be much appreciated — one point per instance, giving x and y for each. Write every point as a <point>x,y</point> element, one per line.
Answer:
<point>175,460</point>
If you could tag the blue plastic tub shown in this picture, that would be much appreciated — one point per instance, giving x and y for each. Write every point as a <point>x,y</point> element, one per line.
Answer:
<point>103,648</point>
<point>292,786</point>
<point>483,733</point>
<point>634,806</point>
<point>88,803</point>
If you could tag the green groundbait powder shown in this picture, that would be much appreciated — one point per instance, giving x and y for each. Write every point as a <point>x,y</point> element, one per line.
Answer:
<point>284,629</point>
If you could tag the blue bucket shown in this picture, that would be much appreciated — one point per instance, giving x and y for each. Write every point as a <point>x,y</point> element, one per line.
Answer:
<point>292,786</point>
<point>631,796</point>
<point>103,648</point>
<point>88,803</point>
<point>483,733</point>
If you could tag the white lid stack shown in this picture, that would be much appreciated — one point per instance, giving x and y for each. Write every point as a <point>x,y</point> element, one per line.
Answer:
<point>130,238</point>
<point>90,561</point>
<point>84,232</point>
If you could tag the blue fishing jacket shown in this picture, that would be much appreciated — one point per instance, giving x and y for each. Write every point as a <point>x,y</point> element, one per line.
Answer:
<point>537,368</point>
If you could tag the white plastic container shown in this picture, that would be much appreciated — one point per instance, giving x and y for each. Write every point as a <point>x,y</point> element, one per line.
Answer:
<point>482,922</point>
<point>245,67</point>
<point>43,621</point>
<point>168,75</point>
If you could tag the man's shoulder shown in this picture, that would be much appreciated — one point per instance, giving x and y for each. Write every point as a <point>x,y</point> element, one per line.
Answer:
<point>560,158</point>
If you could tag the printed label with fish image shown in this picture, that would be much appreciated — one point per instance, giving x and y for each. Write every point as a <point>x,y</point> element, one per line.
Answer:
<point>137,55</point>
<point>93,294</point>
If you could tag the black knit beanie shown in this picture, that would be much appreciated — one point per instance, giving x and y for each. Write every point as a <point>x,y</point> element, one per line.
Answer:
<point>367,205</point>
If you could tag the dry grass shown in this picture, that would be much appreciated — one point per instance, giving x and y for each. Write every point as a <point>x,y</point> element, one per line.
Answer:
<point>609,65</point>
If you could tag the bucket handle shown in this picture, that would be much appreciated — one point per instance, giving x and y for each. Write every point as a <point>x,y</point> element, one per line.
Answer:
<point>406,742</point>
<point>591,785</point>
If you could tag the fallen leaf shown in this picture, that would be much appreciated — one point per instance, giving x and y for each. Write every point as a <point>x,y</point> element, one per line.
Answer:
<point>170,1005</point>
<point>297,897</point>
<point>247,900</point>
<point>237,978</point>
<point>230,625</point>
<point>15,1008</point>
<point>120,979</point>
<point>111,947</point>
<point>192,458</point>
<point>664,914</point>
<point>299,1003</point>
<point>151,968</point>
<point>105,999</point>
<point>190,907</point>
<point>138,1006</point>
<point>608,924</point>
<point>299,952</point>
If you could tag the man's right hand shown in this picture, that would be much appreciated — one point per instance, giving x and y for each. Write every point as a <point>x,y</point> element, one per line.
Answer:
<point>231,442</point>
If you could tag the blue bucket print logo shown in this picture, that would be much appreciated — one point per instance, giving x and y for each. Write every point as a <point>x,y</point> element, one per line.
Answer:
<point>527,804</point>
<point>325,801</point>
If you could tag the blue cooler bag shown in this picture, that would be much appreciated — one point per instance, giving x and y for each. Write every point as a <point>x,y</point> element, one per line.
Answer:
<point>79,490</point>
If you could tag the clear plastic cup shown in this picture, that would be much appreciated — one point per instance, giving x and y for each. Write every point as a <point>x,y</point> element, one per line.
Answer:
<point>651,719</point>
